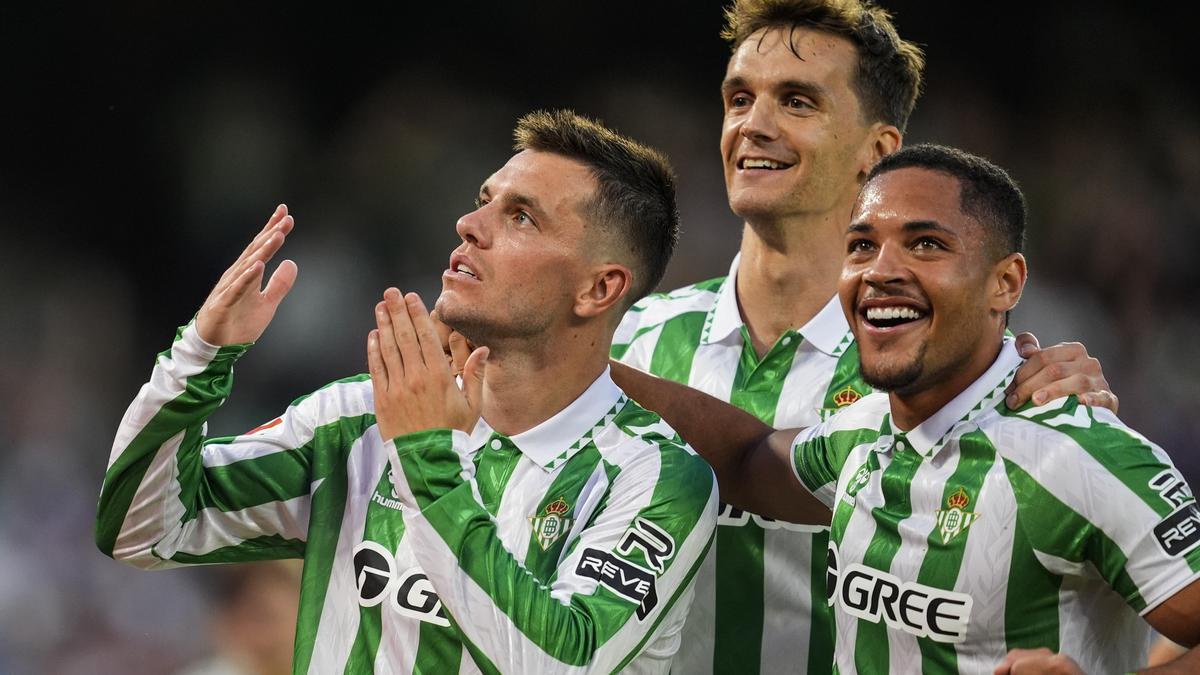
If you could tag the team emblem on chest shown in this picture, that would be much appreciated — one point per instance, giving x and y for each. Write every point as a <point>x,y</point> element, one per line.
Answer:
<point>955,519</point>
<point>551,525</point>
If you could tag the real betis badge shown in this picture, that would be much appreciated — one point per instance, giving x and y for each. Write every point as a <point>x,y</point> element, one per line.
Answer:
<point>955,519</point>
<point>846,397</point>
<point>551,525</point>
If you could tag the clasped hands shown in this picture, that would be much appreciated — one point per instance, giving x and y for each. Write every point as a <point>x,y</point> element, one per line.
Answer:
<point>412,379</point>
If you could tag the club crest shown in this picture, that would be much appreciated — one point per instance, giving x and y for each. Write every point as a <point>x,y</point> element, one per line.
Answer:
<point>552,524</point>
<point>846,397</point>
<point>955,519</point>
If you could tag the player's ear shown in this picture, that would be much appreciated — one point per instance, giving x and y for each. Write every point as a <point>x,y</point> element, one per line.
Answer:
<point>1008,277</point>
<point>883,140</point>
<point>610,283</point>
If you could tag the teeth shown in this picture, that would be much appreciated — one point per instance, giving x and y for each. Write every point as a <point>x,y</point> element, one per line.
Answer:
<point>761,164</point>
<point>885,313</point>
<point>464,269</point>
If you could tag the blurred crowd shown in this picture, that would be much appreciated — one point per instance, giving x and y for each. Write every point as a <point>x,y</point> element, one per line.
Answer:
<point>185,147</point>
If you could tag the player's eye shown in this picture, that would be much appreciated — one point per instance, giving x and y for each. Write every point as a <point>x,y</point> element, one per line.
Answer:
<point>928,244</point>
<point>859,246</point>
<point>739,101</point>
<point>480,202</point>
<point>523,218</point>
<point>798,103</point>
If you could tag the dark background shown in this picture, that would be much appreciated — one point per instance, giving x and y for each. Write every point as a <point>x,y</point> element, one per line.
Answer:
<point>144,143</point>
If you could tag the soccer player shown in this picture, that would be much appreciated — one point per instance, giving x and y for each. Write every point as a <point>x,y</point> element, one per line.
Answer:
<point>815,93</point>
<point>558,533</point>
<point>966,536</point>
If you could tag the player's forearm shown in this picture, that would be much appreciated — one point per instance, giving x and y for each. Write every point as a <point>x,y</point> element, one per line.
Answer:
<point>725,436</point>
<point>1189,662</point>
<point>189,381</point>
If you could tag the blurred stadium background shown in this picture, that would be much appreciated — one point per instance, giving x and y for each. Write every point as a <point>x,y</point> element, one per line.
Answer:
<point>145,142</point>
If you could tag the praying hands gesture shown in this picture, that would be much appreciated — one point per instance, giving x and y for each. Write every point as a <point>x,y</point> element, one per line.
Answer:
<point>414,386</point>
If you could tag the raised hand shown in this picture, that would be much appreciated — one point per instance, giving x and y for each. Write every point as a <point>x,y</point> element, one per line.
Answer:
<point>414,386</point>
<point>237,311</point>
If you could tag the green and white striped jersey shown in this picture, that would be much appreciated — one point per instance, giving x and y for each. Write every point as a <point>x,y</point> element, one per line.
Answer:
<point>985,529</point>
<point>570,547</point>
<point>760,595</point>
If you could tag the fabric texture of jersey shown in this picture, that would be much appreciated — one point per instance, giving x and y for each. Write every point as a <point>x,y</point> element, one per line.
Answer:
<point>760,595</point>
<point>985,529</point>
<point>568,548</point>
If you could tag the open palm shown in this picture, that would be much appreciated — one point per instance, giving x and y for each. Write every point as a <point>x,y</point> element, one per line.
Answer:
<point>239,309</point>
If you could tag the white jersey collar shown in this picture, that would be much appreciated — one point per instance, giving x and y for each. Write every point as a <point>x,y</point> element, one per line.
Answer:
<point>983,394</point>
<point>555,440</point>
<point>826,331</point>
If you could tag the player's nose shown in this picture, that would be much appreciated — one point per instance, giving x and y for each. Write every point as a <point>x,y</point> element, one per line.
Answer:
<point>472,228</point>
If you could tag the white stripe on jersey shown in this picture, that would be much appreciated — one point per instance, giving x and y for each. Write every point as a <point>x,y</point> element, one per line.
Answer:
<point>340,609</point>
<point>150,517</point>
<point>854,548</point>
<point>987,557</point>
<point>214,529</point>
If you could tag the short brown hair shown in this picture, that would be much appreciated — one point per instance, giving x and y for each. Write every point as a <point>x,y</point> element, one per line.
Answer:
<point>888,81</point>
<point>635,194</point>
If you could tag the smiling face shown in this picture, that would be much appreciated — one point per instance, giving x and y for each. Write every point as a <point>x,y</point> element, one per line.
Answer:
<point>522,257</point>
<point>921,286</point>
<point>794,139</point>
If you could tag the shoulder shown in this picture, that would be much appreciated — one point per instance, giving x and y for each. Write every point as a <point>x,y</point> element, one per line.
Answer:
<point>341,400</point>
<point>855,424</point>
<point>658,308</point>
<point>1063,442</point>
<point>1063,423</point>
<point>639,440</point>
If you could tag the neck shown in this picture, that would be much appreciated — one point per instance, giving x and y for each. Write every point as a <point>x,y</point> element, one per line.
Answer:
<point>924,398</point>
<point>787,273</point>
<point>529,381</point>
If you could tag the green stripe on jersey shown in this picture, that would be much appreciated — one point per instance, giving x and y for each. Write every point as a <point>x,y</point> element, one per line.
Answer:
<point>871,643</point>
<point>941,570</point>
<point>757,385</point>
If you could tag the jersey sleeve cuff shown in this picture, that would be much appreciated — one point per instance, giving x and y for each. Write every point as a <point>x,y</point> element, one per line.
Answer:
<point>189,347</point>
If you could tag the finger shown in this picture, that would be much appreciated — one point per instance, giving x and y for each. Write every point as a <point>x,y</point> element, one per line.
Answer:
<point>402,328</point>
<point>1027,344</point>
<point>460,351</point>
<point>249,280</point>
<point>1077,384</point>
<point>427,337</point>
<point>387,343</point>
<point>279,218</point>
<point>1101,399</point>
<point>474,373</point>
<point>1062,352</point>
<point>281,282</point>
<point>1052,382</point>
<point>261,250</point>
<point>375,366</point>
<point>443,331</point>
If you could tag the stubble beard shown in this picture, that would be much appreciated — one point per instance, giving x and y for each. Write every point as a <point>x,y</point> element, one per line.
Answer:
<point>525,327</point>
<point>894,377</point>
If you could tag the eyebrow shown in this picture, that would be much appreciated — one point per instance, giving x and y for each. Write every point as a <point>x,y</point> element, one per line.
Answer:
<point>517,199</point>
<point>909,227</point>
<point>803,86</point>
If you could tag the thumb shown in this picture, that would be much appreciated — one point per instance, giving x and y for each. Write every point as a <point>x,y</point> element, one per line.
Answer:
<point>460,351</point>
<point>1027,344</point>
<point>281,282</point>
<point>473,376</point>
